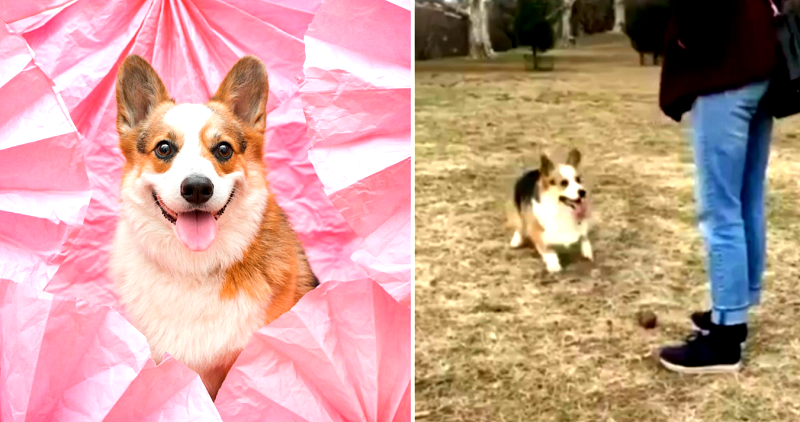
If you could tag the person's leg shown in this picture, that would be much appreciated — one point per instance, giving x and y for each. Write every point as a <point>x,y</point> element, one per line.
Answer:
<point>753,203</point>
<point>722,125</point>
<point>753,192</point>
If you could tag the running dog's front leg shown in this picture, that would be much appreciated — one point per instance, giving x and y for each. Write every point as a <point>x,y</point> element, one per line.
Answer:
<point>551,261</point>
<point>586,249</point>
<point>536,234</point>
<point>517,241</point>
<point>549,256</point>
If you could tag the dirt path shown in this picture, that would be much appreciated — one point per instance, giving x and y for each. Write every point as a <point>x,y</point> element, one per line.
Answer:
<point>499,340</point>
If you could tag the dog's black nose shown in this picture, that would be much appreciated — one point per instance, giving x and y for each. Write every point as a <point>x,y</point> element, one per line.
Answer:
<point>582,193</point>
<point>197,189</point>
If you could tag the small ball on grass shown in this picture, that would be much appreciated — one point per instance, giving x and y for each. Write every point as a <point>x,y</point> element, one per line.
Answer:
<point>647,319</point>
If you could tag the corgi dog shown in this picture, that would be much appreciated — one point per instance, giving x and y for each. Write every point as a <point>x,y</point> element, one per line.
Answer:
<point>552,210</point>
<point>203,256</point>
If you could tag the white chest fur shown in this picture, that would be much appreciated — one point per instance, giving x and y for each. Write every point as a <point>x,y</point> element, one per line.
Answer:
<point>560,226</point>
<point>183,315</point>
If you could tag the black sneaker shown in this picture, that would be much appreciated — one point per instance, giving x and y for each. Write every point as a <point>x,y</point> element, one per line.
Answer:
<point>716,352</point>
<point>701,321</point>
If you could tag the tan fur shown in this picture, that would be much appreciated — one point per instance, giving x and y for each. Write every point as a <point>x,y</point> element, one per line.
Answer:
<point>273,266</point>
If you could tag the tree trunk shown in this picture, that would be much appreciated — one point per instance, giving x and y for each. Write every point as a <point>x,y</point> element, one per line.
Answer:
<point>566,24</point>
<point>535,60</point>
<point>619,15</point>
<point>480,45</point>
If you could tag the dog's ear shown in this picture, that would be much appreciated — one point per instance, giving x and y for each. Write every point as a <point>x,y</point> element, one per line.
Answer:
<point>546,166</point>
<point>574,157</point>
<point>244,91</point>
<point>139,91</point>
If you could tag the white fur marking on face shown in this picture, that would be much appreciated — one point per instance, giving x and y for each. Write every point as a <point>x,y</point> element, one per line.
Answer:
<point>188,120</point>
<point>569,174</point>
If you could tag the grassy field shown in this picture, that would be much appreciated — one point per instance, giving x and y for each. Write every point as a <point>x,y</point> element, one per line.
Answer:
<point>497,339</point>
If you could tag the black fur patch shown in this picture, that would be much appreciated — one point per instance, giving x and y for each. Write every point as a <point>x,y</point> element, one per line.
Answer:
<point>527,188</point>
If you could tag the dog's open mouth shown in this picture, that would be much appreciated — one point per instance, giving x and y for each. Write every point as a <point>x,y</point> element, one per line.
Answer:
<point>578,205</point>
<point>172,216</point>
<point>572,203</point>
<point>196,229</point>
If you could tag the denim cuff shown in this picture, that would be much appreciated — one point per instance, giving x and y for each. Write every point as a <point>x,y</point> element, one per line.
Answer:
<point>729,317</point>
<point>755,297</point>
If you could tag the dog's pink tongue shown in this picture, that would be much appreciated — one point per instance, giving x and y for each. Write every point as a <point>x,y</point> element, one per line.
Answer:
<point>581,210</point>
<point>196,229</point>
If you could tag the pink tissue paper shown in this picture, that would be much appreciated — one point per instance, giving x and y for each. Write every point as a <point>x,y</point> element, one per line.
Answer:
<point>44,191</point>
<point>357,100</point>
<point>343,90</point>
<point>341,354</point>
<point>66,360</point>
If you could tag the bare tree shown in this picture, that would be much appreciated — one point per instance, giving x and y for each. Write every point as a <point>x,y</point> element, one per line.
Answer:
<point>566,25</point>
<point>480,45</point>
<point>619,15</point>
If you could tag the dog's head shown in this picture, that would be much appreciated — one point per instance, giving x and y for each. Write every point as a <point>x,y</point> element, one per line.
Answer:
<point>562,184</point>
<point>188,166</point>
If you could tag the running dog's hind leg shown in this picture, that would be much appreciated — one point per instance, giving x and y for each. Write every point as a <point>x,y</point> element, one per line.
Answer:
<point>516,221</point>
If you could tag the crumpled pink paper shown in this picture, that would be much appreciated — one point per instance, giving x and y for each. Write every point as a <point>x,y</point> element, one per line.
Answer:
<point>65,360</point>
<point>44,191</point>
<point>341,354</point>
<point>357,100</point>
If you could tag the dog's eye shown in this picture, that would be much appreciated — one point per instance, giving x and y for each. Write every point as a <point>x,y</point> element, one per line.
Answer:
<point>223,151</point>
<point>564,183</point>
<point>578,179</point>
<point>552,182</point>
<point>164,149</point>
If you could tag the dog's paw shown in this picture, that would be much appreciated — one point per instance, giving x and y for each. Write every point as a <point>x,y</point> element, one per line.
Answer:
<point>551,263</point>
<point>554,269</point>
<point>586,250</point>
<point>516,241</point>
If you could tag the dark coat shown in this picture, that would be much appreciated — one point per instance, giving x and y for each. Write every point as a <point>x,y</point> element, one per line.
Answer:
<point>728,44</point>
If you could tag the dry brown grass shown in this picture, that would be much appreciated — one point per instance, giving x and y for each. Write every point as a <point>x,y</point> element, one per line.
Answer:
<point>499,340</point>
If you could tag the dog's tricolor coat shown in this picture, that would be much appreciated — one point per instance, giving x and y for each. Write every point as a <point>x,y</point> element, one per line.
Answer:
<point>551,209</point>
<point>203,255</point>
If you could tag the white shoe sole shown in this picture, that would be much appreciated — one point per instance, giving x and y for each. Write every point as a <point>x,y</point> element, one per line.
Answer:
<point>713,369</point>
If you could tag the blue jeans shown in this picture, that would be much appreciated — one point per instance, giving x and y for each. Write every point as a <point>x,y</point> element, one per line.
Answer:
<point>732,133</point>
